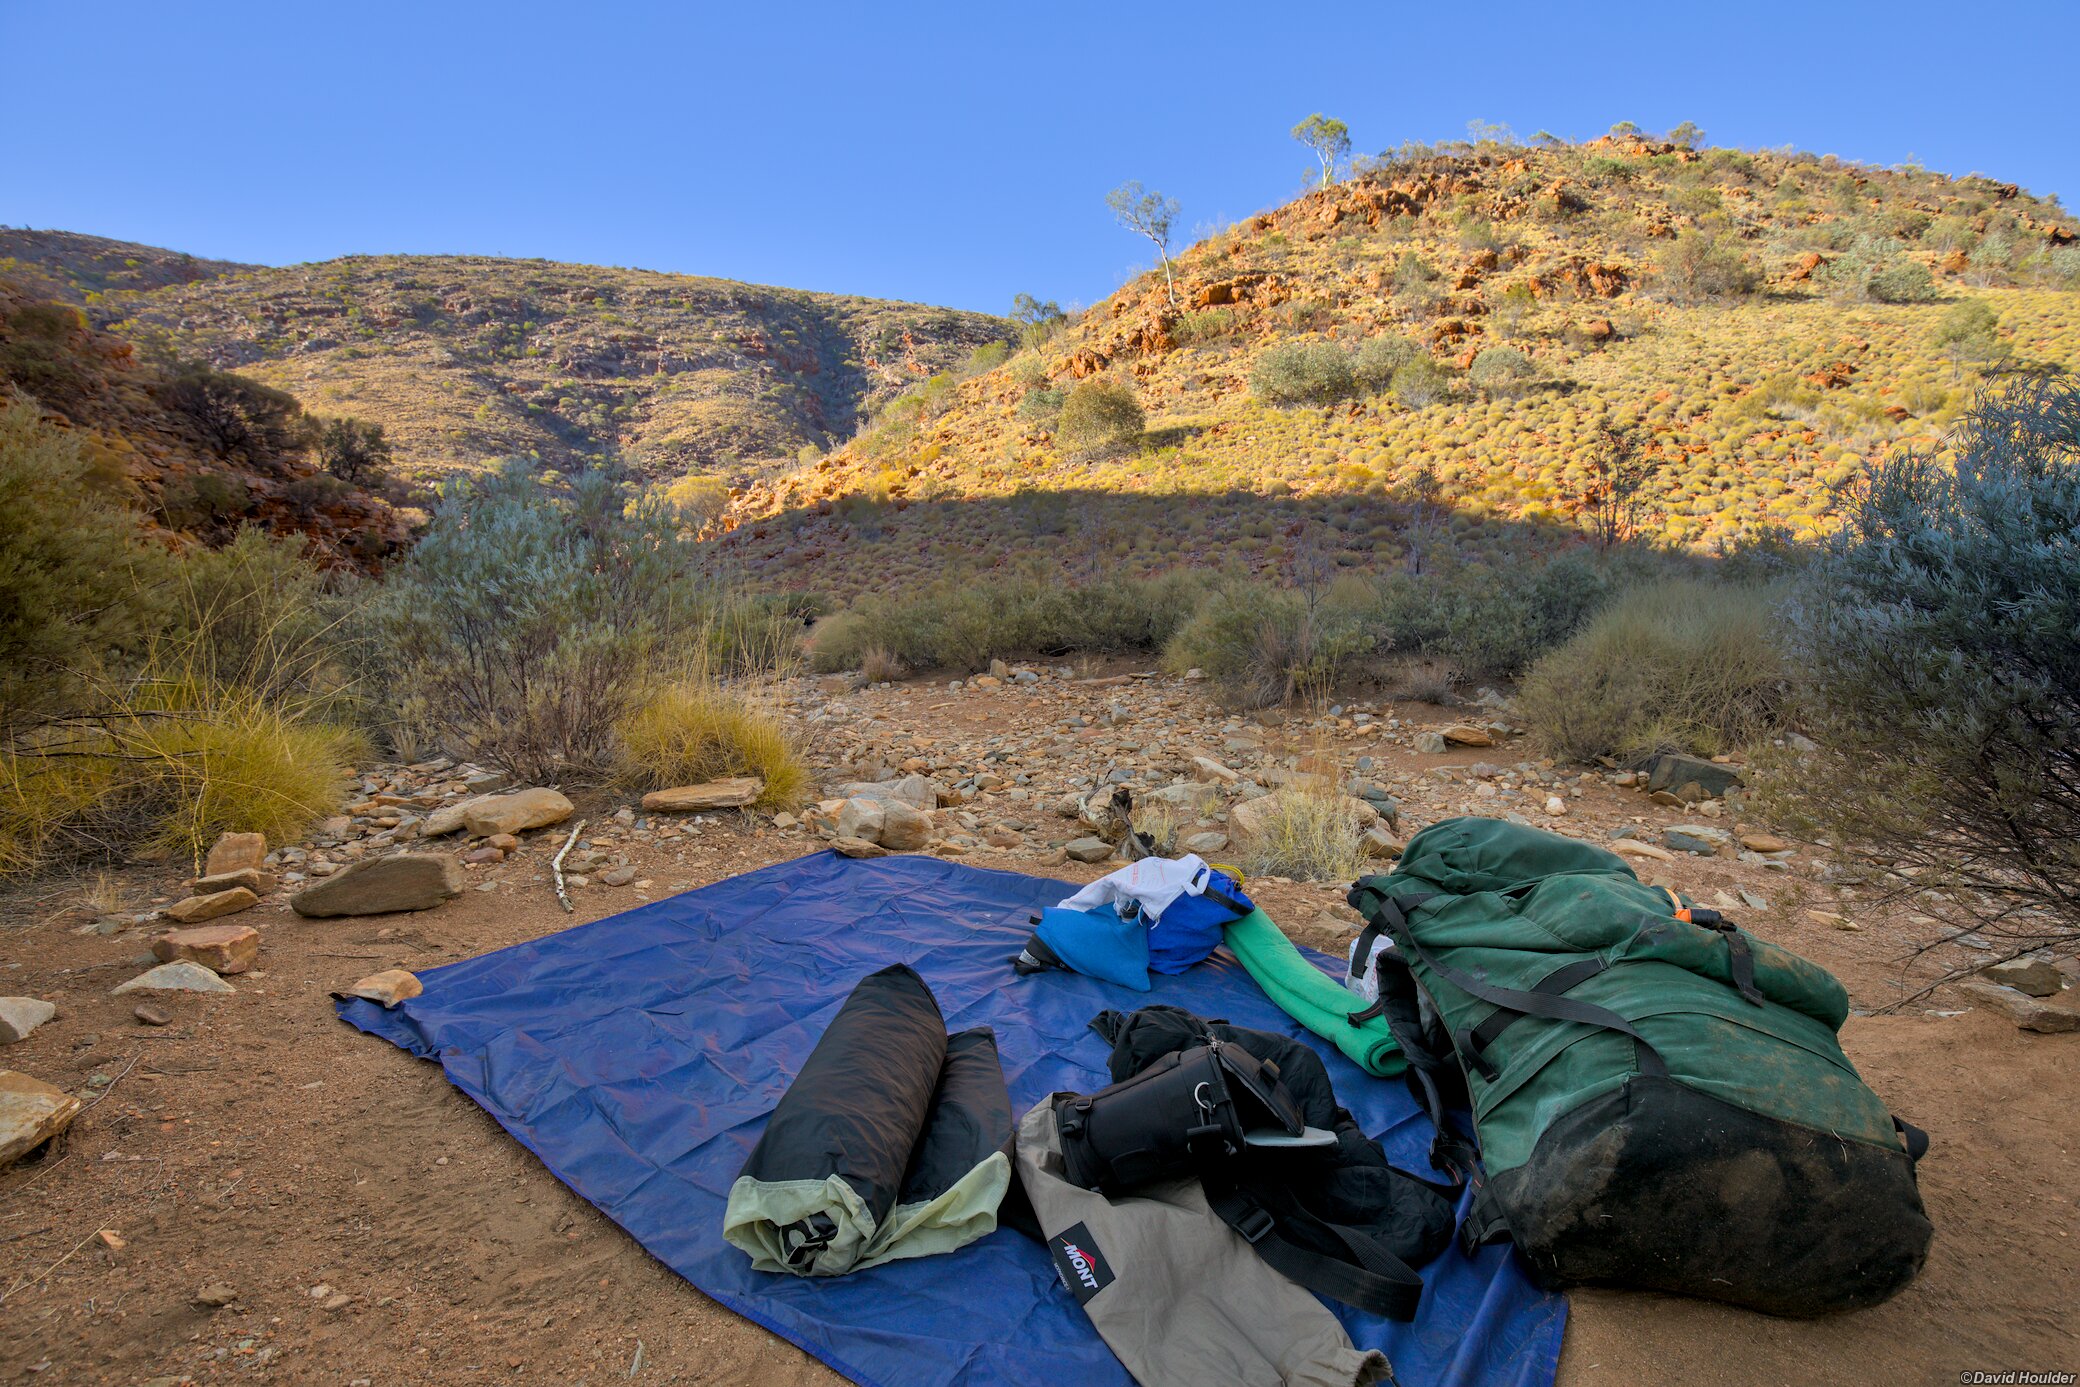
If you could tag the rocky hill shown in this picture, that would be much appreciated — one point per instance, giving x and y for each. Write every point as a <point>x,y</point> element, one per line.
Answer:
<point>1762,323</point>
<point>464,359</point>
<point>80,270</point>
<point>200,453</point>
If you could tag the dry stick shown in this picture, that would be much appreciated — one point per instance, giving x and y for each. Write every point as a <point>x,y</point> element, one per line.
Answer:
<point>112,1083</point>
<point>31,1280</point>
<point>556,866</point>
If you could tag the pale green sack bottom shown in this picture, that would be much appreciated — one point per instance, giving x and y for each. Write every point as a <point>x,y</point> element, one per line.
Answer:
<point>760,1212</point>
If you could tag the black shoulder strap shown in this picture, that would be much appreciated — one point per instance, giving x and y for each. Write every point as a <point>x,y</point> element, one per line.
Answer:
<point>1371,1279</point>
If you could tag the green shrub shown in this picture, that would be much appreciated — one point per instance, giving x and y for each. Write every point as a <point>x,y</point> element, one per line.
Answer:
<point>1942,674</point>
<point>528,620</point>
<point>1696,268</point>
<point>1294,373</point>
<point>1491,622</point>
<point>1969,332</point>
<point>963,626</point>
<point>1042,405</point>
<point>1873,268</point>
<point>1378,358</point>
<point>76,582</point>
<point>1306,835</point>
<point>1503,371</point>
<point>1421,382</point>
<point>1679,665</point>
<point>1265,645</point>
<point>1099,415</point>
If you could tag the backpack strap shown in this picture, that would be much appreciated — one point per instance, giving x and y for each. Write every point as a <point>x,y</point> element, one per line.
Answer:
<point>1369,1278</point>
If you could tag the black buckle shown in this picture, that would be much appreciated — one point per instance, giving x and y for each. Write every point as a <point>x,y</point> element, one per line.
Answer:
<point>1255,1225</point>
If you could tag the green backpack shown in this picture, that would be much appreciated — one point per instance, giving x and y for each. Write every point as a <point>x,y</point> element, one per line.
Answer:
<point>1659,1097</point>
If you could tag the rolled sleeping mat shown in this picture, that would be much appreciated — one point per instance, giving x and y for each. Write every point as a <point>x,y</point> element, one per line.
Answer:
<point>1310,996</point>
<point>844,1175</point>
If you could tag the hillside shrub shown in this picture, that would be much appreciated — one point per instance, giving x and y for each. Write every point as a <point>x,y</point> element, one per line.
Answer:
<point>1679,665</point>
<point>1941,674</point>
<point>1293,373</point>
<point>1421,382</point>
<point>236,418</point>
<point>1874,268</point>
<point>529,619</point>
<point>1492,622</point>
<point>351,450</point>
<point>1377,359</point>
<point>1698,268</point>
<point>1969,333</point>
<point>1099,415</point>
<point>1502,371</point>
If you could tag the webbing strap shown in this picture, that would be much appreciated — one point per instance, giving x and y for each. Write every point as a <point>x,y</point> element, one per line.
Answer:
<point>1372,1279</point>
<point>1559,980</point>
<point>1915,1139</point>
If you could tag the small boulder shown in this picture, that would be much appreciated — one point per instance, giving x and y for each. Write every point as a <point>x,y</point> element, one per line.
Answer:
<point>1089,850</point>
<point>617,876</point>
<point>735,793</point>
<point>1467,734</point>
<point>21,1015</point>
<point>2032,977</point>
<point>1207,769</point>
<point>1556,806</point>
<point>1204,843</point>
<point>236,852</point>
<point>196,909</point>
<point>181,976</point>
<point>382,885</point>
<point>389,987</point>
<point>1764,842</point>
<point>1380,843</point>
<point>31,1113</point>
<point>449,817</point>
<point>149,1015</point>
<point>903,828</point>
<point>1700,839</point>
<point>863,819</point>
<point>1674,773</point>
<point>2027,1012</point>
<point>1249,819</point>
<point>917,791</point>
<point>514,813</point>
<point>1430,743</point>
<point>219,948</point>
<point>1633,847</point>
<point>857,847</point>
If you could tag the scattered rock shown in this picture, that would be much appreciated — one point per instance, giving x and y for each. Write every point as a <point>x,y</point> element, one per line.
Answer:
<point>514,813</point>
<point>857,847</point>
<point>251,878</point>
<point>1834,919</point>
<point>1696,838</point>
<point>2032,977</point>
<point>1430,743</point>
<point>903,828</point>
<point>1204,843</point>
<point>381,885</point>
<point>195,909</point>
<point>1208,769</point>
<point>1249,819</point>
<point>181,976</point>
<point>1088,849</point>
<point>389,987</point>
<point>917,791</point>
<point>236,852</point>
<point>1556,806</point>
<point>31,1113</point>
<point>149,1015</point>
<point>219,948</point>
<point>1633,847</point>
<point>735,793</point>
<point>1764,842</point>
<point>1466,734</point>
<point>617,876</point>
<point>1380,843</point>
<point>215,1296</point>
<point>2028,1013</point>
<point>21,1015</point>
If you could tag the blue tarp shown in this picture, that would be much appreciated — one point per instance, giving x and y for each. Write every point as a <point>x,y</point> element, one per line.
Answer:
<point>639,1055</point>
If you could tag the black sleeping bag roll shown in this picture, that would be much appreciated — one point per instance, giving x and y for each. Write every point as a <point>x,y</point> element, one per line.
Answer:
<point>890,1143</point>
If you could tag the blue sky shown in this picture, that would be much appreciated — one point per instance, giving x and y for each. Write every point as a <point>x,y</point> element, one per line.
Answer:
<point>951,154</point>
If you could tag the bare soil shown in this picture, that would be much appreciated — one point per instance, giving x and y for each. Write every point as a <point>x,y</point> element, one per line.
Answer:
<point>375,1227</point>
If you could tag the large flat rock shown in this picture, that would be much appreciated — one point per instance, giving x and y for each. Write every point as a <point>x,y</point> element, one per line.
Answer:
<point>515,813</point>
<point>734,793</point>
<point>383,886</point>
<point>219,948</point>
<point>195,909</point>
<point>21,1015</point>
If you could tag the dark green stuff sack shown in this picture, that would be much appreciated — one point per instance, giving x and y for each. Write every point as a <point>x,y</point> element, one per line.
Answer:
<point>1659,1098</point>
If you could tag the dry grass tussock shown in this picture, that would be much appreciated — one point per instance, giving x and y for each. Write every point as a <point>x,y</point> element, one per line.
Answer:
<point>694,727</point>
<point>1308,835</point>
